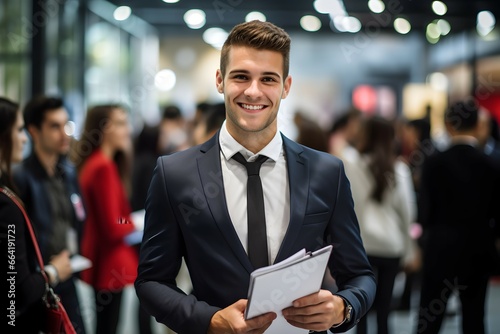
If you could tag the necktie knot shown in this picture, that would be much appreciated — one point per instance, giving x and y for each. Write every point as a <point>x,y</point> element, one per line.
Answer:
<point>253,167</point>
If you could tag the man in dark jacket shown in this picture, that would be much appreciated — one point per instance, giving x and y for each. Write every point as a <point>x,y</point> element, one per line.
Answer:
<point>458,201</point>
<point>48,186</point>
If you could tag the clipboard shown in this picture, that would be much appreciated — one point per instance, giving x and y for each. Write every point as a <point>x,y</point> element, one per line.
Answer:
<point>274,288</point>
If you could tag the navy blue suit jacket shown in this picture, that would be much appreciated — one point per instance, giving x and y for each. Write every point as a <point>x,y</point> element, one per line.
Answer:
<point>187,216</point>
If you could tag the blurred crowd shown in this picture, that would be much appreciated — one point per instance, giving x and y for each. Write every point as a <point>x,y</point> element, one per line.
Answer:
<point>81,195</point>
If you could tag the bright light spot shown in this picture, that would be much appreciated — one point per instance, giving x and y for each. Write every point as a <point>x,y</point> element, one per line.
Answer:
<point>485,22</point>
<point>444,27</point>
<point>69,128</point>
<point>402,25</point>
<point>255,16</point>
<point>195,18</point>
<point>438,81</point>
<point>323,6</point>
<point>486,18</point>
<point>353,24</point>
<point>165,80</point>
<point>215,37</point>
<point>310,23</point>
<point>347,24</point>
<point>170,1</point>
<point>122,13</point>
<point>439,7</point>
<point>376,6</point>
<point>431,40</point>
<point>433,31</point>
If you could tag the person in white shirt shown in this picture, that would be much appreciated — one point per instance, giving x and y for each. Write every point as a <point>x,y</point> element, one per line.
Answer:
<point>384,202</point>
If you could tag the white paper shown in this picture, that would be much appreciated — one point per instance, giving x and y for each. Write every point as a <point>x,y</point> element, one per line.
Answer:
<point>79,263</point>
<point>275,287</point>
<point>137,218</point>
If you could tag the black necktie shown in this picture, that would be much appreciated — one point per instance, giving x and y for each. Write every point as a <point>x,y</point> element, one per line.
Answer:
<point>257,236</point>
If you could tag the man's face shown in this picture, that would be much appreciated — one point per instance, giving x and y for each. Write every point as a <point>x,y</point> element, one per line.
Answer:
<point>51,137</point>
<point>253,88</point>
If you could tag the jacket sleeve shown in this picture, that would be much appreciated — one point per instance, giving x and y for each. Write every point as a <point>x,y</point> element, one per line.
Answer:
<point>160,259</point>
<point>348,263</point>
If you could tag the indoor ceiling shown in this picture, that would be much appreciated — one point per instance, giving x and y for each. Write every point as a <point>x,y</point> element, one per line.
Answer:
<point>168,17</point>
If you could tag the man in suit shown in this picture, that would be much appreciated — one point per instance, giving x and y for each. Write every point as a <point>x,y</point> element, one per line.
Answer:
<point>197,208</point>
<point>459,199</point>
<point>49,188</point>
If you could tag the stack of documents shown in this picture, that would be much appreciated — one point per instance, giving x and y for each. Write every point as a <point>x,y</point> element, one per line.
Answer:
<point>275,287</point>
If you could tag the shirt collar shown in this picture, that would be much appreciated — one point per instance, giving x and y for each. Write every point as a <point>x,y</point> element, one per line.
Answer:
<point>230,146</point>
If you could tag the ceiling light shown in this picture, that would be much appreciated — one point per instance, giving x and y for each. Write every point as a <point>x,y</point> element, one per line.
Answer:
<point>122,13</point>
<point>402,25</point>
<point>439,7</point>
<point>215,37</point>
<point>433,30</point>
<point>255,16</point>
<point>376,6</point>
<point>310,23</point>
<point>195,18</point>
<point>485,22</point>
<point>165,80</point>
<point>444,27</point>
<point>347,24</point>
<point>170,1</point>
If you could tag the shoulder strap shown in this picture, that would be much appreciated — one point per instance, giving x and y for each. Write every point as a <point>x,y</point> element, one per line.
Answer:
<point>14,199</point>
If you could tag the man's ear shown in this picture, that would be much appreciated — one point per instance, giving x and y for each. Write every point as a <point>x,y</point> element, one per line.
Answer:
<point>33,131</point>
<point>219,82</point>
<point>286,87</point>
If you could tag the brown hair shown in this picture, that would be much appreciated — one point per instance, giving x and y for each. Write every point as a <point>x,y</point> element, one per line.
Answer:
<point>378,142</point>
<point>8,116</point>
<point>96,124</point>
<point>258,35</point>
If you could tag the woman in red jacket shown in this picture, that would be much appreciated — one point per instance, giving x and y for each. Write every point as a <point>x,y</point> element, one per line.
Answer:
<point>101,163</point>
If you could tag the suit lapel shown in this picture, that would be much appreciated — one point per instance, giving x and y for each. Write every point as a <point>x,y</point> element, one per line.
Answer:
<point>298,178</point>
<point>209,167</point>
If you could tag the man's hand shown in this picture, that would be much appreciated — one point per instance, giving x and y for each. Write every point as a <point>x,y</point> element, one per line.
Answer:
<point>318,311</point>
<point>232,320</point>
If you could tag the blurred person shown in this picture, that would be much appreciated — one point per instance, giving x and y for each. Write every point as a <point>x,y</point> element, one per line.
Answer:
<point>459,195</point>
<point>384,202</point>
<point>197,208</point>
<point>146,152</point>
<point>102,173</point>
<point>487,135</point>
<point>201,109</point>
<point>344,133</point>
<point>29,282</point>
<point>173,134</point>
<point>210,122</point>
<point>48,185</point>
<point>310,134</point>
<point>417,145</point>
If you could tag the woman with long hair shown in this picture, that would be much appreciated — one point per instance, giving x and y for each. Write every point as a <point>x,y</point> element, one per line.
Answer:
<point>25,283</point>
<point>101,161</point>
<point>384,202</point>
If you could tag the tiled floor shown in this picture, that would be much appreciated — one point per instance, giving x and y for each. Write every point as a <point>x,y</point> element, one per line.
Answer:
<point>400,322</point>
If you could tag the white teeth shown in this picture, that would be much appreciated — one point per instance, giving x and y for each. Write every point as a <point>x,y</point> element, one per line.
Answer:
<point>248,106</point>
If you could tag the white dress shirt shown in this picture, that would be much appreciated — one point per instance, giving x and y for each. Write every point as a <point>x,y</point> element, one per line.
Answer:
<point>274,178</point>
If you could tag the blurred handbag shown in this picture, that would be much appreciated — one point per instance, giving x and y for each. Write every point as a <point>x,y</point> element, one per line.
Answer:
<point>56,320</point>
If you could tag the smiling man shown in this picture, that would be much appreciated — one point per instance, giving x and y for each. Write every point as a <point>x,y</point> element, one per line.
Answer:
<point>246,198</point>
